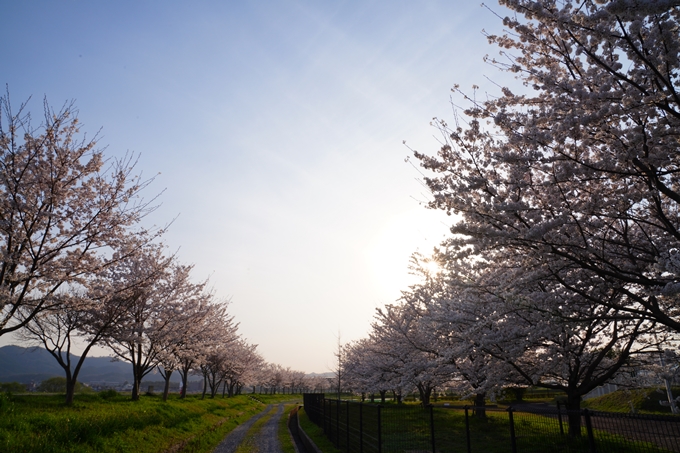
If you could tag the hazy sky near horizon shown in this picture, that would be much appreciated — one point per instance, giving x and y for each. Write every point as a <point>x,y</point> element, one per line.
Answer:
<point>275,129</point>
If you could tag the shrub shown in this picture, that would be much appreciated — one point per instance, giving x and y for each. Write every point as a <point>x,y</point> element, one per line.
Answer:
<point>58,385</point>
<point>108,394</point>
<point>12,387</point>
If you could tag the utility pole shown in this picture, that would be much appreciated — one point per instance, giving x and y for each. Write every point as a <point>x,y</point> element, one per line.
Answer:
<point>669,392</point>
<point>339,370</point>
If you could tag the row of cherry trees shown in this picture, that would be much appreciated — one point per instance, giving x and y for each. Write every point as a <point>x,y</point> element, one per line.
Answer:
<point>78,268</point>
<point>562,270</point>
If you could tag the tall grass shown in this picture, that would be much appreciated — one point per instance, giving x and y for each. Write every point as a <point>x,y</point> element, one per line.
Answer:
<point>43,424</point>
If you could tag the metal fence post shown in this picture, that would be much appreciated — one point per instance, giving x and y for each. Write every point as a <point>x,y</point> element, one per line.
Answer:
<point>559,417</point>
<point>347,424</point>
<point>589,429</point>
<point>337,422</point>
<point>361,427</point>
<point>467,430</point>
<point>432,426</point>
<point>513,442</point>
<point>379,430</point>
<point>330,419</point>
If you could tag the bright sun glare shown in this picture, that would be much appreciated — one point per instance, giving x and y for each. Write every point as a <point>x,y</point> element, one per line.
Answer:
<point>411,231</point>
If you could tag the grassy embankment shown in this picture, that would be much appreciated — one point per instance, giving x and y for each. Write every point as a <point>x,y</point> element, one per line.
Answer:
<point>642,401</point>
<point>113,423</point>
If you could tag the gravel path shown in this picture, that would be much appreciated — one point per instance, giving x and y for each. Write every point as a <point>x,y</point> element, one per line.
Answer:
<point>234,438</point>
<point>266,439</point>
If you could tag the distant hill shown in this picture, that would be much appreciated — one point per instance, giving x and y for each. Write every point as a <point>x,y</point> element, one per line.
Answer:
<point>35,364</point>
<point>328,374</point>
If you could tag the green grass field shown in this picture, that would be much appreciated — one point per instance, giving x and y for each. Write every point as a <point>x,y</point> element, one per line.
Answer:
<point>43,424</point>
<point>407,428</point>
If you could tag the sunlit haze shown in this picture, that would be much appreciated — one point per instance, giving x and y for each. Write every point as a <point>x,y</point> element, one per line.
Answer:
<point>275,131</point>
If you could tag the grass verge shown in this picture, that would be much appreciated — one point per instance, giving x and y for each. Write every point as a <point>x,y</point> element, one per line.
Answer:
<point>285,438</point>
<point>315,433</point>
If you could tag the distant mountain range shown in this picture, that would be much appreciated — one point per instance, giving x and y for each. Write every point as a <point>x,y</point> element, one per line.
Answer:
<point>35,364</point>
<point>26,365</point>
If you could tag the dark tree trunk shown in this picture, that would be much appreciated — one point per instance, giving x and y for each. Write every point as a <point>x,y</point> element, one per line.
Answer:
<point>166,388</point>
<point>425,392</point>
<point>141,366</point>
<point>184,374</point>
<point>70,389</point>
<point>71,376</point>
<point>480,404</point>
<point>382,396</point>
<point>574,414</point>
<point>136,383</point>
<point>205,385</point>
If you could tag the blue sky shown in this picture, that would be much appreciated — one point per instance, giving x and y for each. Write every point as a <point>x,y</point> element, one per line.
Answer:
<point>276,132</point>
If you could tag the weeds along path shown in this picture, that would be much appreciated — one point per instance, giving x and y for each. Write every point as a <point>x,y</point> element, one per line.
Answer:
<point>259,434</point>
<point>266,440</point>
<point>231,443</point>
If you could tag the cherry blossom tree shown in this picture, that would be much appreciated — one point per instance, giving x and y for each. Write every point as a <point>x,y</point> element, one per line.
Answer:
<point>240,367</point>
<point>140,336</point>
<point>552,338</point>
<point>368,370</point>
<point>57,330</point>
<point>212,370</point>
<point>218,341</point>
<point>578,176</point>
<point>187,328</point>
<point>408,339</point>
<point>63,207</point>
<point>213,326</point>
<point>83,316</point>
<point>296,381</point>
<point>570,190</point>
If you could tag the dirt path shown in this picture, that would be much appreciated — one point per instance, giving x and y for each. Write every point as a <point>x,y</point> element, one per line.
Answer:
<point>266,439</point>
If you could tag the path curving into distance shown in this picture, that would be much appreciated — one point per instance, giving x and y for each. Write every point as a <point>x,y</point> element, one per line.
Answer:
<point>265,440</point>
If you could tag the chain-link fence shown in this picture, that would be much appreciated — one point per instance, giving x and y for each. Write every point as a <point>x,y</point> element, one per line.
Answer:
<point>359,427</point>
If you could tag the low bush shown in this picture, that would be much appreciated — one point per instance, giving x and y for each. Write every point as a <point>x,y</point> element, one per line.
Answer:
<point>12,387</point>
<point>58,385</point>
<point>108,394</point>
